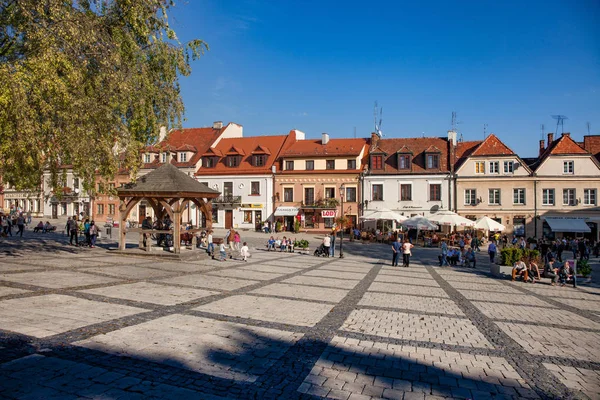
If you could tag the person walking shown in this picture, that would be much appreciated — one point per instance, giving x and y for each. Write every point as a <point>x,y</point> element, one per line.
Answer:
<point>444,256</point>
<point>245,252</point>
<point>396,248</point>
<point>406,252</point>
<point>86,232</point>
<point>20,225</point>
<point>237,240</point>
<point>492,249</point>
<point>72,228</point>
<point>93,234</point>
<point>210,247</point>
<point>67,226</point>
<point>28,217</point>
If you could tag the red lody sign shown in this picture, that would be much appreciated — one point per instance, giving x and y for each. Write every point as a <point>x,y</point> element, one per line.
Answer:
<point>328,213</point>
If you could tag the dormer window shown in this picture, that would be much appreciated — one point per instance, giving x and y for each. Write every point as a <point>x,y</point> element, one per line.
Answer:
<point>404,161</point>
<point>433,161</point>
<point>182,157</point>
<point>259,160</point>
<point>232,161</point>
<point>376,162</point>
<point>146,158</point>
<point>209,162</point>
<point>330,164</point>
<point>164,157</point>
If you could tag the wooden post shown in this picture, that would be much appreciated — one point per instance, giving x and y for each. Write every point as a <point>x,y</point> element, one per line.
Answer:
<point>177,227</point>
<point>122,228</point>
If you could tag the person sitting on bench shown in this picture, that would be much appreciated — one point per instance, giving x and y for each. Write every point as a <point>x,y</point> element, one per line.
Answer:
<point>520,268</point>
<point>48,227</point>
<point>39,227</point>
<point>271,244</point>
<point>534,271</point>
<point>470,259</point>
<point>551,271</point>
<point>565,274</point>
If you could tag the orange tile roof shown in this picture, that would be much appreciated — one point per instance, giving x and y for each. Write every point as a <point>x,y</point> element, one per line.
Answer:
<point>563,145</point>
<point>492,146</point>
<point>417,147</point>
<point>465,149</point>
<point>196,140</point>
<point>314,148</point>
<point>245,147</point>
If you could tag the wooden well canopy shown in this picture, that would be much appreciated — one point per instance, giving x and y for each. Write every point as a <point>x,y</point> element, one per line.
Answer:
<point>167,190</point>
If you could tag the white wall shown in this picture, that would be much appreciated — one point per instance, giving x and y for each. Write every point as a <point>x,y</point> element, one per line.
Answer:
<point>583,166</point>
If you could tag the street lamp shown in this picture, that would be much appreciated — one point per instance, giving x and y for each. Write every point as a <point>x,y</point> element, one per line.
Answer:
<point>342,188</point>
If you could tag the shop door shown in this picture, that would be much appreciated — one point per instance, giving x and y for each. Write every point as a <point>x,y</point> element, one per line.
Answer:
<point>142,214</point>
<point>228,219</point>
<point>54,211</point>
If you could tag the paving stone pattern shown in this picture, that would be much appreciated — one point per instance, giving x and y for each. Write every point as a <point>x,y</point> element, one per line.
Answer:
<point>87,324</point>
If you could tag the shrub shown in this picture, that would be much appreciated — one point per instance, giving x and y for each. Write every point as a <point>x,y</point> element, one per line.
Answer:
<point>511,255</point>
<point>297,226</point>
<point>301,244</point>
<point>584,268</point>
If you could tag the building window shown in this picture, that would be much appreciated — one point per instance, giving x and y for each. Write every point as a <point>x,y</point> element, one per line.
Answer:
<point>470,197</point>
<point>405,192</point>
<point>519,196</point>
<point>330,164</point>
<point>328,222</point>
<point>494,197</point>
<point>377,194</point>
<point>433,161</point>
<point>435,192</point>
<point>548,197</point>
<point>350,194</point>
<point>569,197</point>
<point>404,161</point>
<point>259,160</point>
<point>164,157</point>
<point>494,167</point>
<point>146,158</point>
<point>228,189</point>
<point>111,209</point>
<point>232,161</point>
<point>215,215</point>
<point>330,193</point>
<point>75,183</point>
<point>255,188</point>
<point>209,162</point>
<point>589,197</point>
<point>479,167</point>
<point>111,186</point>
<point>100,209</point>
<point>310,165</point>
<point>182,157</point>
<point>568,167</point>
<point>289,165</point>
<point>509,167</point>
<point>248,217</point>
<point>309,196</point>
<point>376,162</point>
<point>518,226</point>
<point>288,194</point>
<point>351,164</point>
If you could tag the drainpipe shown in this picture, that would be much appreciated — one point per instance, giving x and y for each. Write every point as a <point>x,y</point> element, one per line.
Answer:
<point>535,227</point>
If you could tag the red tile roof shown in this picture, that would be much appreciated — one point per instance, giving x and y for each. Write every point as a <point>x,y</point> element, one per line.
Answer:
<point>246,147</point>
<point>492,146</point>
<point>563,145</point>
<point>592,144</point>
<point>196,140</point>
<point>417,147</point>
<point>315,148</point>
<point>465,149</point>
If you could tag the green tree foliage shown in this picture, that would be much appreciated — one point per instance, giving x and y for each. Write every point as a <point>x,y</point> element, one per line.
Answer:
<point>86,83</point>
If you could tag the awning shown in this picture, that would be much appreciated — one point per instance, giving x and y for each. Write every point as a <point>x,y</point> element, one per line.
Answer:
<point>575,225</point>
<point>286,211</point>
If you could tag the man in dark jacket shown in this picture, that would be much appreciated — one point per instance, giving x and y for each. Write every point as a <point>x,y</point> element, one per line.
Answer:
<point>72,226</point>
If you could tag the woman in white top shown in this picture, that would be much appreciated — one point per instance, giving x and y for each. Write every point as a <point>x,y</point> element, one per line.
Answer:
<point>406,253</point>
<point>327,244</point>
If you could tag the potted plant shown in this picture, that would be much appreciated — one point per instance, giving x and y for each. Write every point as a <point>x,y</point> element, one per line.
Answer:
<point>584,269</point>
<point>296,226</point>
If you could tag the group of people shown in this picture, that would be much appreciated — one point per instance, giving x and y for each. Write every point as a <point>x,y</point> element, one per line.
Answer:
<point>44,228</point>
<point>233,238</point>
<point>20,221</point>
<point>284,244</point>
<point>401,248</point>
<point>558,272</point>
<point>85,226</point>
<point>458,256</point>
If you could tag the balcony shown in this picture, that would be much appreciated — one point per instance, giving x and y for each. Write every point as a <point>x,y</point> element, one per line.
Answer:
<point>233,200</point>
<point>321,203</point>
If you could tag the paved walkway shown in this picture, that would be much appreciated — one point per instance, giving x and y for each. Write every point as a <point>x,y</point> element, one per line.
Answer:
<point>84,323</point>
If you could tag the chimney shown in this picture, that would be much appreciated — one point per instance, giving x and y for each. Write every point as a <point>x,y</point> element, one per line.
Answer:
<point>452,137</point>
<point>325,138</point>
<point>567,134</point>
<point>218,125</point>
<point>374,139</point>
<point>542,148</point>
<point>550,138</point>
<point>163,134</point>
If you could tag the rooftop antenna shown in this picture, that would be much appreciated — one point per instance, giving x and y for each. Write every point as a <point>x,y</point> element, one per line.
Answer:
<point>453,121</point>
<point>560,121</point>
<point>485,130</point>
<point>354,132</point>
<point>378,126</point>
<point>589,127</point>
<point>542,128</point>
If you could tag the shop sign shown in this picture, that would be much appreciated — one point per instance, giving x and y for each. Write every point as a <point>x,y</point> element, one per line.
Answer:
<point>248,205</point>
<point>328,213</point>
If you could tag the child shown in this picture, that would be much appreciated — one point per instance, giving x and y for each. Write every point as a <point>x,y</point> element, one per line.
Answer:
<point>245,252</point>
<point>283,244</point>
<point>271,244</point>
<point>222,252</point>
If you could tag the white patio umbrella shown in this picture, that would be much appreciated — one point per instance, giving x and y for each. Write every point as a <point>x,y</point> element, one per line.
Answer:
<point>447,217</point>
<point>420,223</point>
<point>488,224</point>
<point>384,214</point>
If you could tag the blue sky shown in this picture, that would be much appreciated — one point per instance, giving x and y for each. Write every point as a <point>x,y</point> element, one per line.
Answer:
<point>319,66</point>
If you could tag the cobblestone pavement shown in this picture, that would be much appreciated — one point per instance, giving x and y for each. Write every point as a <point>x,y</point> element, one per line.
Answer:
<point>87,324</point>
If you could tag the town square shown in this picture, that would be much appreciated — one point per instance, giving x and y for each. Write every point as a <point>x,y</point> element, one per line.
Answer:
<point>207,200</point>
